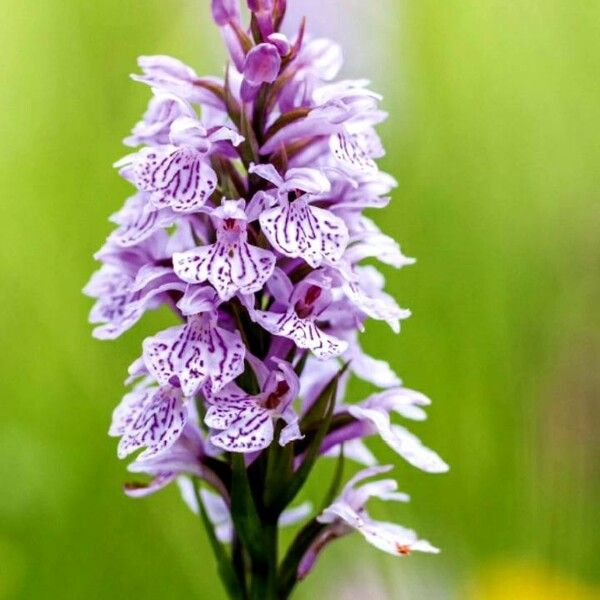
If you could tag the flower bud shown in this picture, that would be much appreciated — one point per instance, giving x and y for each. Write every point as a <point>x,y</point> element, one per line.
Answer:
<point>280,41</point>
<point>260,5</point>
<point>224,11</point>
<point>262,64</point>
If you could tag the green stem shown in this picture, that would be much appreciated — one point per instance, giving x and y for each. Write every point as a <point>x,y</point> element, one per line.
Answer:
<point>264,573</point>
<point>235,588</point>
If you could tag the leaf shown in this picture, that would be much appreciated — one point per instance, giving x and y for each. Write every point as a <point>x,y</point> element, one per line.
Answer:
<point>319,408</point>
<point>235,588</point>
<point>334,487</point>
<point>320,416</point>
<point>280,469</point>
<point>243,510</point>
<point>288,572</point>
<point>249,148</point>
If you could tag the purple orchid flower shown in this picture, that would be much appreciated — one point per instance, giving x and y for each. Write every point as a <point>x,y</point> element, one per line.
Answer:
<point>150,417</point>
<point>231,265</point>
<point>298,322</point>
<point>348,514</point>
<point>179,174</point>
<point>248,224</point>
<point>196,353</point>
<point>246,423</point>
<point>294,227</point>
<point>130,281</point>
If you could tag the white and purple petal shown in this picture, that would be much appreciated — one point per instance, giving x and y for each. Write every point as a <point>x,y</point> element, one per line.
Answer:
<point>223,412</point>
<point>400,439</point>
<point>194,354</point>
<point>364,291</point>
<point>167,74</point>
<point>375,371</point>
<point>129,408</point>
<point>139,219</point>
<point>389,537</point>
<point>400,400</point>
<point>156,424</point>
<point>123,300</point>
<point>351,154</point>
<point>158,482</point>
<point>250,431</point>
<point>297,229</point>
<point>304,332</point>
<point>154,128</point>
<point>197,299</point>
<point>228,267</point>
<point>176,177</point>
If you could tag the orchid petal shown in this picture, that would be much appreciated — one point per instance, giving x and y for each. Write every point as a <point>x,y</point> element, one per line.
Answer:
<point>155,424</point>
<point>251,431</point>
<point>229,267</point>
<point>351,155</point>
<point>154,128</point>
<point>377,304</point>
<point>134,490</point>
<point>138,220</point>
<point>268,172</point>
<point>303,332</point>
<point>262,64</point>
<point>195,353</point>
<point>179,178</point>
<point>401,440</point>
<point>298,229</point>
<point>311,181</point>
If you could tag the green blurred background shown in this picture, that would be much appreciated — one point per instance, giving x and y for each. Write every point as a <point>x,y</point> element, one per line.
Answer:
<point>493,135</point>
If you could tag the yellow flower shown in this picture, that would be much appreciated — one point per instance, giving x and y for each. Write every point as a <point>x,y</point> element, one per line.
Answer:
<point>523,581</point>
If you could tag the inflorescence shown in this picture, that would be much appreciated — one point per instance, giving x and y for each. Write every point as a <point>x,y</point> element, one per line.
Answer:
<point>247,222</point>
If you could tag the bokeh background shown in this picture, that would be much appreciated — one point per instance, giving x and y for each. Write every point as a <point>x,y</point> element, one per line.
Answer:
<point>493,135</point>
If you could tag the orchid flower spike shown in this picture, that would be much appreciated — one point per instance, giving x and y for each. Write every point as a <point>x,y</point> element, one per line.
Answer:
<point>246,224</point>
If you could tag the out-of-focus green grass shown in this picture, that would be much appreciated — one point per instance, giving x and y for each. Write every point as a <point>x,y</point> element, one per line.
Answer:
<point>493,135</point>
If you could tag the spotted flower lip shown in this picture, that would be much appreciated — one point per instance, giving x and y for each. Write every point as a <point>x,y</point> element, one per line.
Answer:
<point>246,225</point>
<point>231,264</point>
<point>296,228</point>
<point>299,321</point>
<point>149,417</point>
<point>244,423</point>
<point>179,175</point>
<point>199,352</point>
